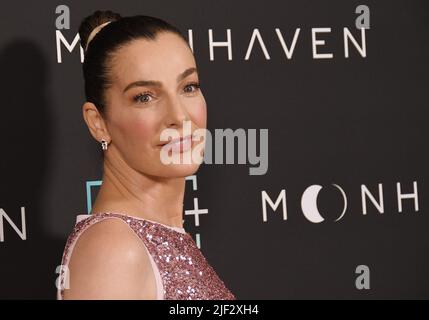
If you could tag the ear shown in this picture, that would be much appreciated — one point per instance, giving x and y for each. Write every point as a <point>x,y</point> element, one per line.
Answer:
<point>95,122</point>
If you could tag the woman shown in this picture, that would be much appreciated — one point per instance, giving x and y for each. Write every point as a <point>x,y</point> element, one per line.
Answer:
<point>140,80</point>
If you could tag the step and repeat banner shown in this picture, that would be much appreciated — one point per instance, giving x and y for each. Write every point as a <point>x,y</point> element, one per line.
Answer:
<point>332,204</point>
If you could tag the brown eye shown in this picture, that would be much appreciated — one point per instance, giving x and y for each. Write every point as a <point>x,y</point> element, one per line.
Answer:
<point>142,98</point>
<point>195,85</point>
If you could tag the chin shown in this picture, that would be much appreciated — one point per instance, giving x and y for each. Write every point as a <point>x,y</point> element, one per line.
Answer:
<point>179,170</point>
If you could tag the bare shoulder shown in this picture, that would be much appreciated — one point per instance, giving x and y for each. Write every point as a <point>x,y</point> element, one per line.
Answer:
<point>110,262</point>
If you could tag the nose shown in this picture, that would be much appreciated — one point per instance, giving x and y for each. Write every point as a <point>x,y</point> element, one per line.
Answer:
<point>176,114</point>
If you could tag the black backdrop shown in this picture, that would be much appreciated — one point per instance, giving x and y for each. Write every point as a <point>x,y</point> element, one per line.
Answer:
<point>358,122</point>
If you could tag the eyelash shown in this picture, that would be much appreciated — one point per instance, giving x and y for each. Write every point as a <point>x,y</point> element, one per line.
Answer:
<point>140,95</point>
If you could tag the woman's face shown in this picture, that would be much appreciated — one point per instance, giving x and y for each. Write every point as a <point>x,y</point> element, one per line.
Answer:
<point>138,111</point>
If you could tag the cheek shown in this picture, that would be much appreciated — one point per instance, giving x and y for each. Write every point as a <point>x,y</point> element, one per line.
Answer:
<point>199,114</point>
<point>138,131</point>
<point>142,130</point>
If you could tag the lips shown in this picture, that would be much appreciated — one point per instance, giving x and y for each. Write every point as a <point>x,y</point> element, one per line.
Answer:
<point>177,141</point>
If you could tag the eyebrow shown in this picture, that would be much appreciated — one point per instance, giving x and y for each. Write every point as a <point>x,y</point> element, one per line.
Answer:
<point>154,83</point>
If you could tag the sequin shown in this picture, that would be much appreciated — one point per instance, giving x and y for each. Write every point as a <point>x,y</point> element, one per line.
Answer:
<point>180,262</point>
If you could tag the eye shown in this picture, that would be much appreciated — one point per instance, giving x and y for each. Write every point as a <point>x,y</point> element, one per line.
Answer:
<point>142,97</point>
<point>196,86</point>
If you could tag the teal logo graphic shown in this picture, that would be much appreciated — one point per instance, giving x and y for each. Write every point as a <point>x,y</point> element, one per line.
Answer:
<point>89,185</point>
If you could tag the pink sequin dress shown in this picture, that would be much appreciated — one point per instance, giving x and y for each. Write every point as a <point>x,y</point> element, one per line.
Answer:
<point>181,270</point>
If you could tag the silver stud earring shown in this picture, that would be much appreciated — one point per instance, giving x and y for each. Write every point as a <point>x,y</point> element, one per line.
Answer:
<point>103,144</point>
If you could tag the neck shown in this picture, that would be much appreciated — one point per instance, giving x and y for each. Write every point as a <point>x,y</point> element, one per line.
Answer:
<point>136,194</point>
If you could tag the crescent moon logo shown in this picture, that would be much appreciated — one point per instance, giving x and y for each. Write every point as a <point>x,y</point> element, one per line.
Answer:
<point>345,202</point>
<point>309,203</point>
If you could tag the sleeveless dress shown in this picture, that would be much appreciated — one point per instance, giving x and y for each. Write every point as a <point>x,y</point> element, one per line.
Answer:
<point>181,270</point>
